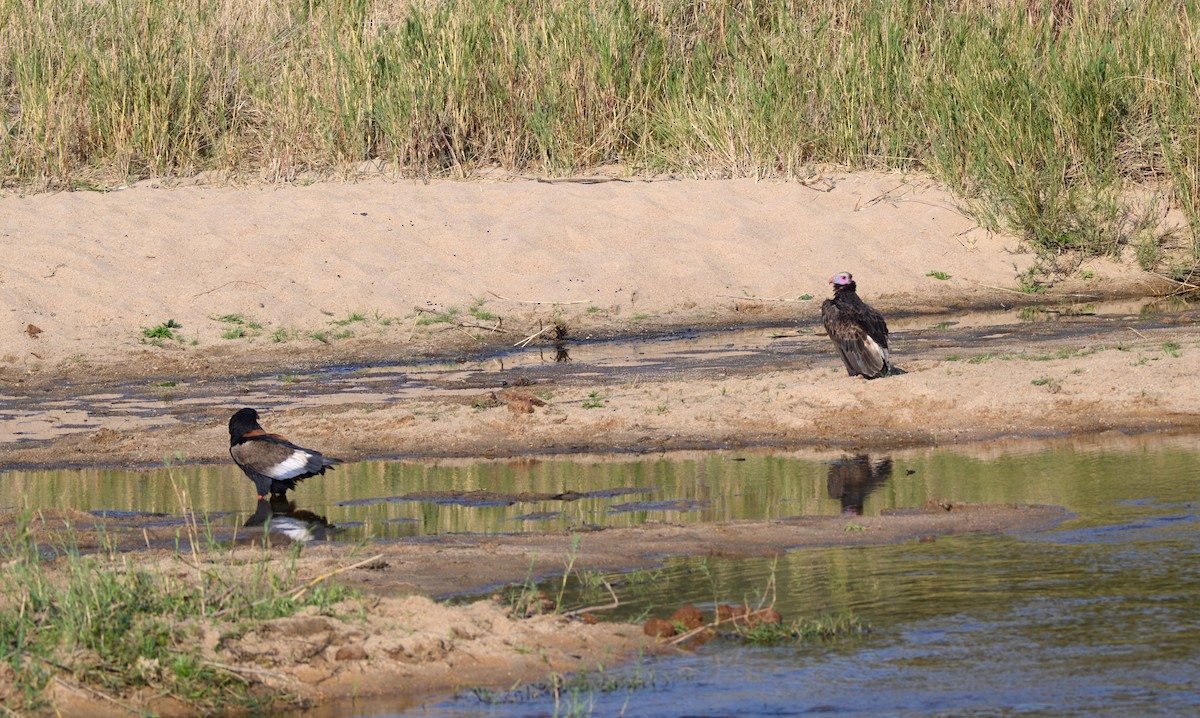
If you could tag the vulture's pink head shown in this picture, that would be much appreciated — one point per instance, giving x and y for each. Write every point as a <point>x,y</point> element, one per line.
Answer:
<point>841,279</point>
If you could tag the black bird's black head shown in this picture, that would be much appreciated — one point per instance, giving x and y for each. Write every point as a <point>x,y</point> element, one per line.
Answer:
<point>241,423</point>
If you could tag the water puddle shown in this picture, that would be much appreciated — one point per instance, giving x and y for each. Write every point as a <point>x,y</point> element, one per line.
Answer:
<point>392,500</point>
<point>1096,617</point>
<point>169,401</point>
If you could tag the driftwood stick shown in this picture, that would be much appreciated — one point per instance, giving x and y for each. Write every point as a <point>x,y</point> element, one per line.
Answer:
<point>525,342</point>
<point>764,299</point>
<point>533,301</point>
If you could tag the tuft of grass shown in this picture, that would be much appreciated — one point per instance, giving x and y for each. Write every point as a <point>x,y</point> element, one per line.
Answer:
<point>240,326</point>
<point>448,316</point>
<point>1029,282</point>
<point>350,319</point>
<point>476,310</point>
<point>595,400</point>
<point>159,332</point>
<point>1172,349</point>
<point>1148,253</point>
<point>826,628</point>
<point>938,275</point>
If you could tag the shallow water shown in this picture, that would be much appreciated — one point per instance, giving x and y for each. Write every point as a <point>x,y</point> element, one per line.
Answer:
<point>1095,617</point>
<point>400,499</point>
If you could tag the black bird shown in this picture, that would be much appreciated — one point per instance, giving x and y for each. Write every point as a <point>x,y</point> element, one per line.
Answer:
<point>272,462</point>
<point>857,330</point>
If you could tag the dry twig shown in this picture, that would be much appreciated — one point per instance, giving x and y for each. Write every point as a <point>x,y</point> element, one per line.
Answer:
<point>533,301</point>
<point>525,342</point>
<point>304,589</point>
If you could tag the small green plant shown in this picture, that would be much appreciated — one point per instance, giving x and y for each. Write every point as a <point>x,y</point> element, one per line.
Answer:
<point>829,627</point>
<point>937,275</point>
<point>1172,349</point>
<point>355,317</point>
<point>1043,381</point>
<point>593,309</point>
<point>166,330</point>
<point>476,310</point>
<point>1148,252</point>
<point>281,335</point>
<point>806,297</point>
<point>594,400</point>
<point>1029,283</point>
<point>319,336</point>
<point>448,316</point>
<point>240,326</point>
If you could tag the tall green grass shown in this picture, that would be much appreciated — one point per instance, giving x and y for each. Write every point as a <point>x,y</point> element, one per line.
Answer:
<point>1046,125</point>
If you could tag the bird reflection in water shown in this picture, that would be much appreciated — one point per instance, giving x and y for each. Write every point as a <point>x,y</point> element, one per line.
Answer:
<point>279,517</point>
<point>853,478</point>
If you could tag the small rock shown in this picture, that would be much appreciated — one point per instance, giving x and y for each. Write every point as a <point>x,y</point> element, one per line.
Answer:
<point>766,616</point>
<point>32,330</point>
<point>350,653</point>
<point>659,628</point>
<point>688,616</point>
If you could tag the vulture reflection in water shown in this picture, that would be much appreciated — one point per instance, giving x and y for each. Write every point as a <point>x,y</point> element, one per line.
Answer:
<point>852,479</point>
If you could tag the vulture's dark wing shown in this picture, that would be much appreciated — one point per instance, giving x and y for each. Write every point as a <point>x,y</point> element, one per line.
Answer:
<point>860,337</point>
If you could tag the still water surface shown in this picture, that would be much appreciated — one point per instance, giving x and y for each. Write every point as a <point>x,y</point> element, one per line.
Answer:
<point>1096,617</point>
